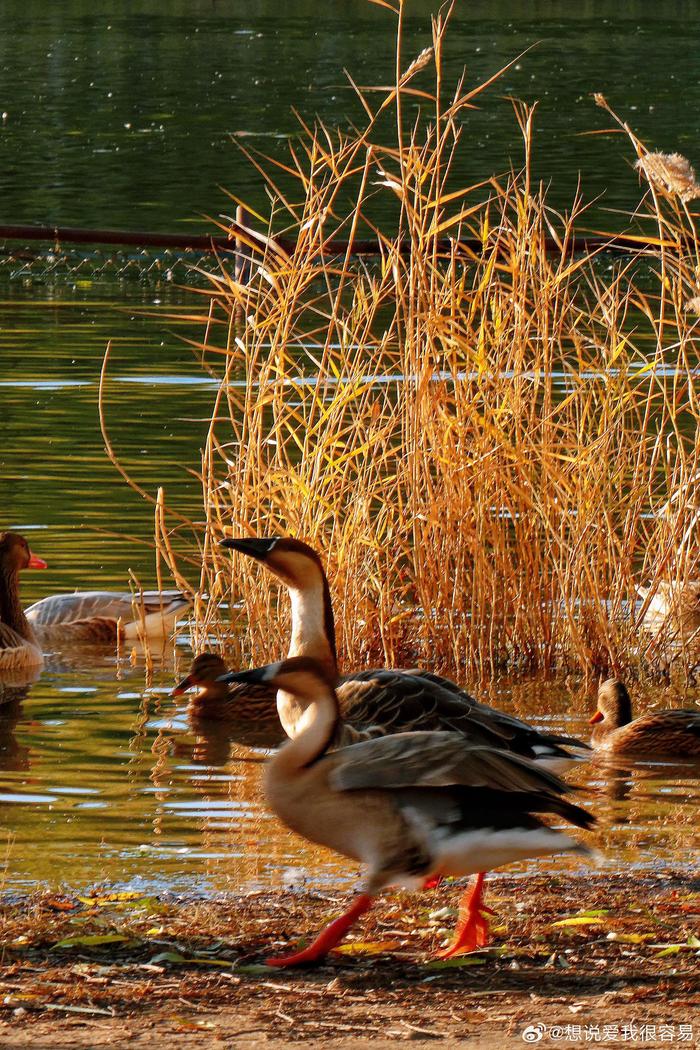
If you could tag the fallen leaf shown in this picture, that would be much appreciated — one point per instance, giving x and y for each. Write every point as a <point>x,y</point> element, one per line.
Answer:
<point>456,963</point>
<point>198,960</point>
<point>630,938</point>
<point>578,920</point>
<point>367,947</point>
<point>91,941</point>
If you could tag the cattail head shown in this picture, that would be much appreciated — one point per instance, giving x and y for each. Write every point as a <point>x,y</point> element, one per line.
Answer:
<point>671,173</point>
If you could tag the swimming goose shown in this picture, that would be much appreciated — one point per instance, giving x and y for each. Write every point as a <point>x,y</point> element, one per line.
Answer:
<point>672,606</point>
<point>375,702</point>
<point>252,706</point>
<point>674,733</point>
<point>410,806</point>
<point>106,616</point>
<point>19,648</point>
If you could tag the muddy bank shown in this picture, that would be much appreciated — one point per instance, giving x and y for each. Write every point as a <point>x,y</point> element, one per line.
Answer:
<point>593,959</point>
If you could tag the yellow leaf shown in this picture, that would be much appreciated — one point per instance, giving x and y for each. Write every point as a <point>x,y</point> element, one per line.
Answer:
<point>579,920</point>
<point>368,947</point>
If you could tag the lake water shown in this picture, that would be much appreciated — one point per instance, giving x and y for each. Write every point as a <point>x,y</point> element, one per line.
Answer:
<point>126,120</point>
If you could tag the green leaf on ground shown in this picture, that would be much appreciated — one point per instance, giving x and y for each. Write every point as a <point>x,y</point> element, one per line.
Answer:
<point>93,941</point>
<point>669,949</point>
<point>198,960</point>
<point>456,963</point>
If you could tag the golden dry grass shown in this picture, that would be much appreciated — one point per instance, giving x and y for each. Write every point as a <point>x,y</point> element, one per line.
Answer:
<point>490,449</point>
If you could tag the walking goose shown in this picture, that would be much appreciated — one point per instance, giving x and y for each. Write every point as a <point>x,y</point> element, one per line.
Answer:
<point>19,648</point>
<point>674,733</point>
<point>411,807</point>
<point>376,702</point>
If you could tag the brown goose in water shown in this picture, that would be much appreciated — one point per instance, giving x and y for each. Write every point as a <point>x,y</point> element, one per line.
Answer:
<point>84,616</point>
<point>674,733</point>
<point>410,806</point>
<point>377,702</point>
<point>19,648</point>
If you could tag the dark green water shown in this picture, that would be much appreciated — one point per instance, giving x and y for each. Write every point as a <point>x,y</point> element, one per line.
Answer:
<point>125,118</point>
<point>124,115</point>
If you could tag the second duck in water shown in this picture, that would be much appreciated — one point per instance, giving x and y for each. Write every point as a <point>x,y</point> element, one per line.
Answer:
<point>674,733</point>
<point>248,711</point>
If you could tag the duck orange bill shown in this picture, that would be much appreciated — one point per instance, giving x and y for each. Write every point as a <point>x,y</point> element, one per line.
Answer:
<point>597,717</point>
<point>35,562</point>
<point>183,686</point>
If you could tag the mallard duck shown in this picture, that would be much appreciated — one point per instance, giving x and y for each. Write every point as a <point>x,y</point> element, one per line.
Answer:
<point>252,706</point>
<point>410,806</point>
<point>106,616</point>
<point>19,647</point>
<point>674,733</point>
<point>375,702</point>
<point>672,606</point>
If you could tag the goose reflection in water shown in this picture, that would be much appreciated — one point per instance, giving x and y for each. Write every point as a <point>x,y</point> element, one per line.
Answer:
<point>14,756</point>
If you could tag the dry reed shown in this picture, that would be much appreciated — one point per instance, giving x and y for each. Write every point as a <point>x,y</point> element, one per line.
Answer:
<point>491,451</point>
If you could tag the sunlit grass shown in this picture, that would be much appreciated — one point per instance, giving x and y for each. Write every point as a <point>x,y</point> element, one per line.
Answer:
<point>490,450</point>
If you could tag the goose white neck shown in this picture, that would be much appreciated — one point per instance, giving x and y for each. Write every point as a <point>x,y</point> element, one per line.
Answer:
<point>315,727</point>
<point>309,632</point>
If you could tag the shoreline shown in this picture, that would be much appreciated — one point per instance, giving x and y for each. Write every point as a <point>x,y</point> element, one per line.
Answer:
<point>147,970</point>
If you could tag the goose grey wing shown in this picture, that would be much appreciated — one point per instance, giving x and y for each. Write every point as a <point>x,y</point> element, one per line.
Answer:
<point>61,609</point>
<point>512,727</point>
<point>424,759</point>
<point>388,701</point>
<point>375,703</point>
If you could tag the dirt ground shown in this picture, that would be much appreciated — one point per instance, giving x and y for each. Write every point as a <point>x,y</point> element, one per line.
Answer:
<point>596,960</point>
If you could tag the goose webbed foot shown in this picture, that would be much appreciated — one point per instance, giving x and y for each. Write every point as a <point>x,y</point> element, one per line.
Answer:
<point>473,927</point>
<point>328,938</point>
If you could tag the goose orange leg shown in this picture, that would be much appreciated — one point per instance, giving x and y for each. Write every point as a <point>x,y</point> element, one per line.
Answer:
<point>327,938</point>
<point>472,930</point>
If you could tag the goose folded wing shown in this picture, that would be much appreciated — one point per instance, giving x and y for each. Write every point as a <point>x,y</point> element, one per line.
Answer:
<point>11,639</point>
<point>508,726</point>
<point>384,702</point>
<point>424,759</point>
<point>105,605</point>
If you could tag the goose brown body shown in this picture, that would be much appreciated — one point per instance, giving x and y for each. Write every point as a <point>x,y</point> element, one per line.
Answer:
<point>409,806</point>
<point>19,647</point>
<point>672,733</point>
<point>377,702</point>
